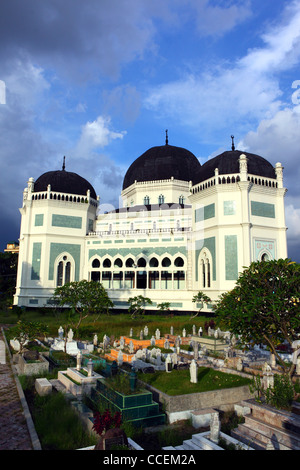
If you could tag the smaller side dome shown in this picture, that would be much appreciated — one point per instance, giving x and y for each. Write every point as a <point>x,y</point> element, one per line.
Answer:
<point>64,182</point>
<point>228,163</point>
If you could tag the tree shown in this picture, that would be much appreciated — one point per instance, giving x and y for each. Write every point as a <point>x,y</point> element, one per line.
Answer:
<point>84,298</point>
<point>8,276</point>
<point>264,306</point>
<point>137,305</point>
<point>164,307</point>
<point>26,331</point>
<point>201,297</point>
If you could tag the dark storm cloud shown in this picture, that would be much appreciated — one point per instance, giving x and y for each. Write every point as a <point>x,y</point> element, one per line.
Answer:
<point>77,37</point>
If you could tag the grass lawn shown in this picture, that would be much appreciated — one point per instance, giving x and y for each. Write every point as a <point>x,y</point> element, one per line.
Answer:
<point>111,325</point>
<point>178,382</point>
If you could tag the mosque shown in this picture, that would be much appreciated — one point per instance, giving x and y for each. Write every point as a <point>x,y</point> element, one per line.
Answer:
<point>183,228</point>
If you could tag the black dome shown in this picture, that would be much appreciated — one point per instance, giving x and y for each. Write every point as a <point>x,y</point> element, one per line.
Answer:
<point>228,163</point>
<point>163,162</point>
<point>64,182</point>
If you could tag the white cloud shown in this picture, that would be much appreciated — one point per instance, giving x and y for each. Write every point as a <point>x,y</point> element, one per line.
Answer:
<point>96,134</point>
<point>237,94</point>
<point>277,139</point>
<point>281,44</point>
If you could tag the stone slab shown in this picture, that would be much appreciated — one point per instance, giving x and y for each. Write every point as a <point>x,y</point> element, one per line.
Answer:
<point>202,418</point>
<point>43,386</point>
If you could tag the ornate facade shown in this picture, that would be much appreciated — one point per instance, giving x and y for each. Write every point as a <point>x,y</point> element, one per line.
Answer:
<point>182,227</point>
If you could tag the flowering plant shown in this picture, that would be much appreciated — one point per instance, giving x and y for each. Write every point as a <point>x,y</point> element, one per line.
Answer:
<point>106,421</point>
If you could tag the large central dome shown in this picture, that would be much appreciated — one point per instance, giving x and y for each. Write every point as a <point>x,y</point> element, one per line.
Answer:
<point>163,162</point>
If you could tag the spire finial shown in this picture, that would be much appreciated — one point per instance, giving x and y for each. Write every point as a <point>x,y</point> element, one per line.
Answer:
<point>232,147</point>
<point>167,140</point>
<point>64,164</point>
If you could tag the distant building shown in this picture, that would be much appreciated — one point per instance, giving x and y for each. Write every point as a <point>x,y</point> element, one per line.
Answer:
<point>12,248</point>
<point>183,227</point>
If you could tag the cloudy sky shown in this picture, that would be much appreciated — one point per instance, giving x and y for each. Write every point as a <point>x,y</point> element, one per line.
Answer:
<point>99,81</point>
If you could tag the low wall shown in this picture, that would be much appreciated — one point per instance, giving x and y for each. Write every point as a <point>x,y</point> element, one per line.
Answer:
<point>181,406</point>
<point>33,368</point>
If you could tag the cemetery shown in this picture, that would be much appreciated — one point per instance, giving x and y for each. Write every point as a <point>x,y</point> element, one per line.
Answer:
<point>154,380</point>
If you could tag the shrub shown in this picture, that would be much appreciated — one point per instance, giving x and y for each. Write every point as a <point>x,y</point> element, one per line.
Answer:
<point>282,394</point>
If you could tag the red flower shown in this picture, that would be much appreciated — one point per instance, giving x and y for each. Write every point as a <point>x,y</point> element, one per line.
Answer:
<point>106,421</point>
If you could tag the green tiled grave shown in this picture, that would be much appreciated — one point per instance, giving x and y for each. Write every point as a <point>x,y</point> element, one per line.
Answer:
<point>138,408</point>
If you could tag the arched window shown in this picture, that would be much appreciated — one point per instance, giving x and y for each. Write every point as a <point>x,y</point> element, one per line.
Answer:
<point>64,271</point>
<point>153,263</point>
<point>96,263</point>
<point>161,199</point>
<point>107,263</point>
<point>146,200</point>
<point>141,263</point>
<point>68,272</point>
<point>205,260</point>
<point>181,199</point>
<point>118,263</point>
<point>60,273</point>
<point>129,263</point>
<point>166,262</point>
<point>179,262</point>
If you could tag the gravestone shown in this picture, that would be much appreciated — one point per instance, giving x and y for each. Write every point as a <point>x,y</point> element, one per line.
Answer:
<point>120,358</point>
<point>90,366</point>
<point>177,342</point>
<point>174,358</point>
<point>268,377</point>
<point>196,349</point>
<point>70,335</point>
<point>215,428</point>
<point>168,363</point>
<point>239,365</point>
<point>60,332</point>
<point>158,359</point>
<point>78,360</point>
<point>193,372</point>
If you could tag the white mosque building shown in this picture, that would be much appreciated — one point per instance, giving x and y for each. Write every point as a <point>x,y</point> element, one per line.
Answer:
<point>183,227</point>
